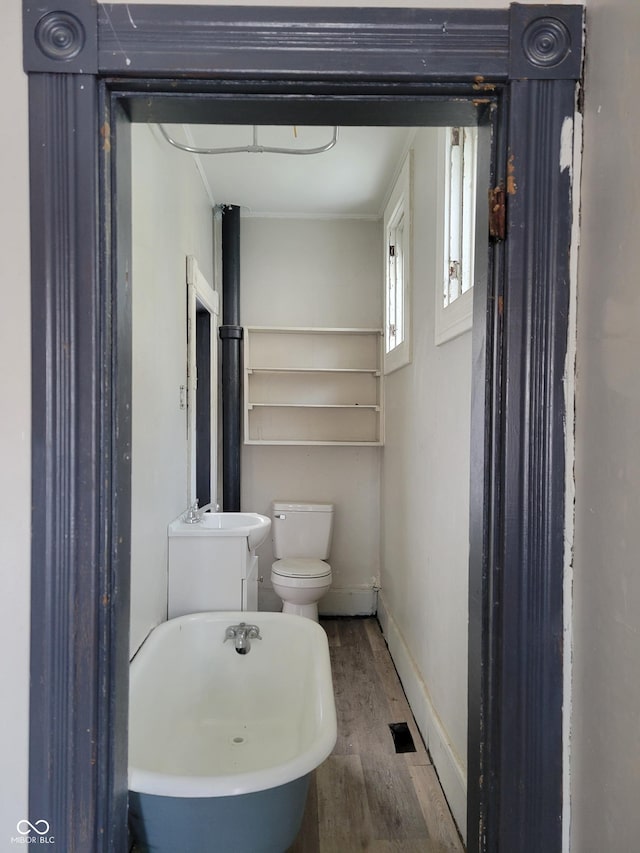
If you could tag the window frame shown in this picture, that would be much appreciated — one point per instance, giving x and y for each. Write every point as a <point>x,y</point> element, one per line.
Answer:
<point>398,209</point>
<point>456,317</point>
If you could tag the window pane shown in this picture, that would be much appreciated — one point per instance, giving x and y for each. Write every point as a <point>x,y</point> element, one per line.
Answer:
<point>459,212</point>
<point>399,278</point>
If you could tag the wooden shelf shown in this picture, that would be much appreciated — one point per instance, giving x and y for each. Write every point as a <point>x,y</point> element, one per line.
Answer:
<point>314,406</point>
<point>313,386</point>
<point>373,371</point>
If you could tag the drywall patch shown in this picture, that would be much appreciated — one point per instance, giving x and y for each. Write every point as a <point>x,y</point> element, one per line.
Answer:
<point>575,140</point>
<point>566,146</point>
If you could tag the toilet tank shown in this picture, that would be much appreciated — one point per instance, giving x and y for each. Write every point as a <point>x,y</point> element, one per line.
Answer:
<point>301,529</point>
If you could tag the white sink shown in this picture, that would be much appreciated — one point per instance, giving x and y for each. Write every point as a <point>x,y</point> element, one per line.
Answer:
<point>253,526</point>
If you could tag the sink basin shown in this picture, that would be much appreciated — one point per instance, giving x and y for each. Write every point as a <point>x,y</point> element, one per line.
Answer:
<point>253,526</point>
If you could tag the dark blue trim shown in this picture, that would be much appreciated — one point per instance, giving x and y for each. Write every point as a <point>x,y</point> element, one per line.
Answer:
<point>546,42</point>
<point>530,558</point>
<point>60,38</point>
<point>70,452</point>
<point>280,42</point>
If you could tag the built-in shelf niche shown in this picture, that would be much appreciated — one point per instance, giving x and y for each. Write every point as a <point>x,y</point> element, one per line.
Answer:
<point>312,386</point>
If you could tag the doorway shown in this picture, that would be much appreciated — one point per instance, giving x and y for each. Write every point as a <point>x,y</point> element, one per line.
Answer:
<point>396,464</point>
<point>201,386</point>
<point>519,66</point>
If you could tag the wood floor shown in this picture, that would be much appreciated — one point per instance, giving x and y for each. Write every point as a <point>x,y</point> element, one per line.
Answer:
<point>366,796</point>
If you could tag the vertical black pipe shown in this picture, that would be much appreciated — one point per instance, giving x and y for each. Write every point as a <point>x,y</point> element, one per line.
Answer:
<point>231,358</point>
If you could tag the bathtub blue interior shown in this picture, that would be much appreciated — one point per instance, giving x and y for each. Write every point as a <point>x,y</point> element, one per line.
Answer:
<point>260,822</point>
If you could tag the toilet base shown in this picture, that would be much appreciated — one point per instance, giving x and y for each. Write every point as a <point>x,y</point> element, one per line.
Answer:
<point>310,611</point>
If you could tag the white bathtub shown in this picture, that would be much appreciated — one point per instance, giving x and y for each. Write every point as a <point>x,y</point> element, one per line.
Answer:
<point>209,726</point>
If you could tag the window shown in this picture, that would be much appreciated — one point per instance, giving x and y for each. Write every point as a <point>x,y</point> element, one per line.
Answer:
<point>454,293</point>
<point>397,249</point>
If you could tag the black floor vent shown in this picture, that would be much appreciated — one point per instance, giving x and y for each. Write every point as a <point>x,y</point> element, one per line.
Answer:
<point>402,739</point>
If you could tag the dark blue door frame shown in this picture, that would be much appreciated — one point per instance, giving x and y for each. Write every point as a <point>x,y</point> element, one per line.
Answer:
<point>92,69</point>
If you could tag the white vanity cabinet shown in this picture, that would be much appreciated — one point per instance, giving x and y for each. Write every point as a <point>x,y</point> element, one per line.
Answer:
<point>312,386</point>
<point>211,573</point>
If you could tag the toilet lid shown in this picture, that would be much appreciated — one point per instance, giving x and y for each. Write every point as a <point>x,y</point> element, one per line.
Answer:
<point>301,567</point>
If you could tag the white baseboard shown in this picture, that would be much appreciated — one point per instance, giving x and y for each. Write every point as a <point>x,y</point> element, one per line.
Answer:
<point>349,602</point>
<point>337,602</point>
<point>453,776</point>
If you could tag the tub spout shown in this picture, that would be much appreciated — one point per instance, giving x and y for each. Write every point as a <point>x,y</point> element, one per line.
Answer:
<point>242,634</point>
<point>243,646</point>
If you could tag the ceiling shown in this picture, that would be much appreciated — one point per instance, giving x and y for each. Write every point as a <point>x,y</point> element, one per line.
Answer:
<point>352,179</point>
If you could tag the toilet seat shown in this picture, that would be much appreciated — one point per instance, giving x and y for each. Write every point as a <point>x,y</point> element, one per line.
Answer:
<point>301,567</point>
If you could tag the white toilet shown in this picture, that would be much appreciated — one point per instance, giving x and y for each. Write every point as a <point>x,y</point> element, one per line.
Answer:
<point>301,542</point>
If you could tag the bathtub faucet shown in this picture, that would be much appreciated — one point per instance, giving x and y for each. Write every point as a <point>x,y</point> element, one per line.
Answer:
<point>242,634</point>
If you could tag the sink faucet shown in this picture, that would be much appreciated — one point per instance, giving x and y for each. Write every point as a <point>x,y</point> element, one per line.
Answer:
<point>242,634</point>
<point>192,515</point>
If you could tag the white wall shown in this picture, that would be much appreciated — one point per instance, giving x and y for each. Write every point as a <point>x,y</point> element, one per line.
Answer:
<point>172,218</point>
<point>316,273</point>
<point>15,429</point>
<point>606,695</point>
<point>424,607</point>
